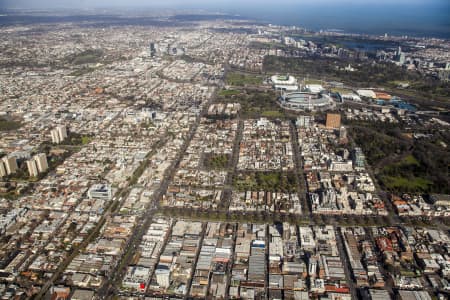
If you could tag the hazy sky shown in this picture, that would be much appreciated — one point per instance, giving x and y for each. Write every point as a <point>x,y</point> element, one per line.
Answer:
<point>191,3</point>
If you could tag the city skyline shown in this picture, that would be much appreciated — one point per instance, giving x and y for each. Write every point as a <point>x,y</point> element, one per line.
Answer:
<point>268,152</point>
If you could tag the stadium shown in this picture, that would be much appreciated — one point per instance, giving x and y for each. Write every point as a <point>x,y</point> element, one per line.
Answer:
<point>306,101</point>
<point>287,83</point>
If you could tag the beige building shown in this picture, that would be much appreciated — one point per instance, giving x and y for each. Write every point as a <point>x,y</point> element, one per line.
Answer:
<point>333,121</point>
<point>38,164</point>
<point>59,134</point>
<point>2,169</point>
<point>10,163</point>
<point>55,136</point>
<point>41,162</point>
<point>32,168</point>
<point>62,131</point>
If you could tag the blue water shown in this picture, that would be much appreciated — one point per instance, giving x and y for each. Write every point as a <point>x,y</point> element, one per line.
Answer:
<point>431,18</point>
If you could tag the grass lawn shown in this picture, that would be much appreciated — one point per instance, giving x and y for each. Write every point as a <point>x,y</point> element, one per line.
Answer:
<point>272,114</point>
<point>406,184</point>
<point>341,90</point>
<point>410,160</point>
<point>255,104</point>
<point>86,57</point>
<point>225,93</point>
<point>7,125</point>
<point>82,71</point>
<point>217,161</point>
<point>85,140</point>
<point>239,79</point>
<point>244,183</point>
<point>265,181</point>
<point>397,177</point>
<point>313,81</point>
<point>397,82</point>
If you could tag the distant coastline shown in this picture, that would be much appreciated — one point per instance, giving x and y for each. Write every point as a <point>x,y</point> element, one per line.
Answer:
<point>414,21</point>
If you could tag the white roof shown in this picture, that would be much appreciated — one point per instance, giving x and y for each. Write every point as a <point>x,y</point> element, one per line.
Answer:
<point>283,80</point>
<point>367,93</point>
<point>314,88</point>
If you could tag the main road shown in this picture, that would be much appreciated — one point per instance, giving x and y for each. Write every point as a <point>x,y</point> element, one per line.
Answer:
<point>145,221</point>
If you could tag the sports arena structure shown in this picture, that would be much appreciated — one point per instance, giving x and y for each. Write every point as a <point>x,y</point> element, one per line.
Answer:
<point>286,83</point>
<point>306,101</point>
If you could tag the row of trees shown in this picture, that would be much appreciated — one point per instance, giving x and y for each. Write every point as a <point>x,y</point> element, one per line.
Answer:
<point>302,220</point>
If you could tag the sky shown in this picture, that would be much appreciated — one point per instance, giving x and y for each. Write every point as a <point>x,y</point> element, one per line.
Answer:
<point>193,3</point>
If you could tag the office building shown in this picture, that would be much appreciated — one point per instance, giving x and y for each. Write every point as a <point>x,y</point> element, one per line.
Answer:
<point>358,158</point>
<point>32,168</point>
<point>401,57</point>
<point>333,121</point>
<point>10,163</point>
<point>152,49</point>
<point>343,135</point>
<point>162,273</point>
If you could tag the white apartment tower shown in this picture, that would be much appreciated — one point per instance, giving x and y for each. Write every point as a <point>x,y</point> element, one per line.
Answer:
<point>32,168</point>
<point>38,164</point>
<point>62,131</point>
<point>55,136</point>
<point>163,277</point>
<point>59,134</point>
<point>2,169</point>
<point>10,164</point>
<point>41,162</point>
